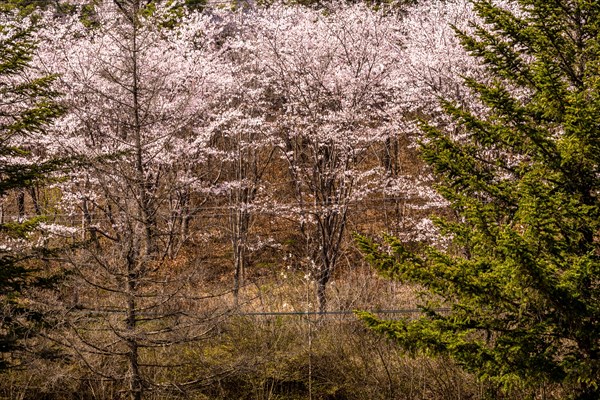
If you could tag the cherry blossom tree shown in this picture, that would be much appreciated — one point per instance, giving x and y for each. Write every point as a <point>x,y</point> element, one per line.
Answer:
<point>138,82</point>
<point>327,73</point>
<point>432,64</point>
<point>434,60</point>
<point>242,143</point>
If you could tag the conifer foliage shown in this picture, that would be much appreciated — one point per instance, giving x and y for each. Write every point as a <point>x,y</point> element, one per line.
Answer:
<point>520,169</point>
<point>26,106</point>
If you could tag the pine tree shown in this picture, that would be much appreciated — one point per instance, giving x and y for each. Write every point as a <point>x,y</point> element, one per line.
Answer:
<point>520,169</point>
<point>26,106</point>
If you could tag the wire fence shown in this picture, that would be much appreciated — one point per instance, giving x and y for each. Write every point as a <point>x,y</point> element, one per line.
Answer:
<point>400,312</point>
<point>403,311</point>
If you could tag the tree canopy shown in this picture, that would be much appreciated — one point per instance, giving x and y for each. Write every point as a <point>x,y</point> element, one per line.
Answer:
<point>27,106</point>
<point>519,167</point>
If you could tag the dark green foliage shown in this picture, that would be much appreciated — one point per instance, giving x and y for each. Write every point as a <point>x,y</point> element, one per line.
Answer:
<point>26,107</point>
<point>523,271</point>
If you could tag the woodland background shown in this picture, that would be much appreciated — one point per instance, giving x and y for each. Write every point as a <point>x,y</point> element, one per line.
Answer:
<point>213,162</point>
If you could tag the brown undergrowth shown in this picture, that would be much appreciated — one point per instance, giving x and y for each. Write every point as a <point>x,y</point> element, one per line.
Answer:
<point>252,353</point>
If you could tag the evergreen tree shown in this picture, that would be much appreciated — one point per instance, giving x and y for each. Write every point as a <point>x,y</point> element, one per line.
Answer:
<point>522,272</point>
<point>26,106</point>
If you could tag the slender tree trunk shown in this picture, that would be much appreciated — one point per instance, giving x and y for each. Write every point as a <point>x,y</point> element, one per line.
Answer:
<point>21,204</point>
<point>185,217</point>
<point>240,226</point>
<point>322,281</point>
<point>331,231</point>
<point>133,269</point>
<point>34,199</point>
<point>144,183</point>
<point>135,379</point>
<point>87,224</point>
